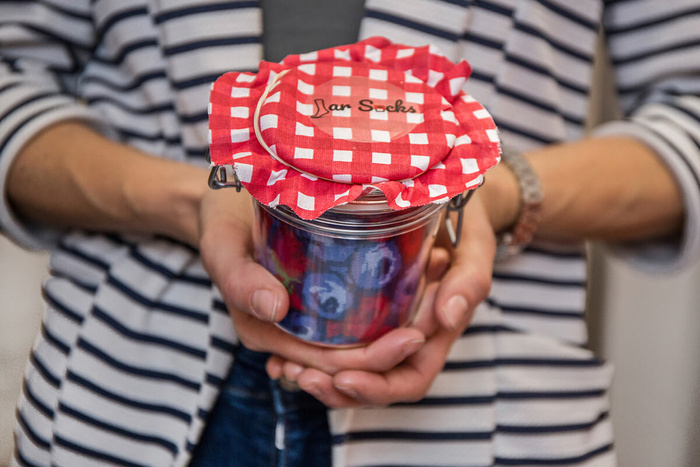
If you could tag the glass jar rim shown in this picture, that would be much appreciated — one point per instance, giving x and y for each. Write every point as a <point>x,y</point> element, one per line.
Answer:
<point>367,217</point>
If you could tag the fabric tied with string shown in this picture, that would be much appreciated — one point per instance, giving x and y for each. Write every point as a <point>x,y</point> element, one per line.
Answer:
<point>318,129</point>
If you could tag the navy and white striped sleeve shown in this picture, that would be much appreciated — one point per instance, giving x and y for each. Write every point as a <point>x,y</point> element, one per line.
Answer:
<point>42,46</point>
<point>655,50</point>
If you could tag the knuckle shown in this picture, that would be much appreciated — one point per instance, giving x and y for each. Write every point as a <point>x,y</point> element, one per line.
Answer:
<point>334,404</point>
<point>329,368</point>
<point>421,390</point>
<point>413,397</point>
<point>230,284</point>
<point>482,286</point>
<point>415,394</point>
<point>336,361</point>
<point>251,344</point>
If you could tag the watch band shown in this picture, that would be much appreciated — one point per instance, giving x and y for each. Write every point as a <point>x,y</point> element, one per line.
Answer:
<point>514,241</point>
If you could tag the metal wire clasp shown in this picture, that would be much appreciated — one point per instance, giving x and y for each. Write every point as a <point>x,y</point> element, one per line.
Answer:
<point>222,176</point>
<point>456,204</point>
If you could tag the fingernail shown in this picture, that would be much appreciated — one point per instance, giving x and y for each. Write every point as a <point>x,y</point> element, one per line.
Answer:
<point>264,304</point>
<point>313,390</point>
<point>455,310</point>
<point>292,371</point>
<point>350,392</point>
<point>411,347</point>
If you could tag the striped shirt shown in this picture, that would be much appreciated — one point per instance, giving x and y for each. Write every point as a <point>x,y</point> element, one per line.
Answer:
<point>136,341</point>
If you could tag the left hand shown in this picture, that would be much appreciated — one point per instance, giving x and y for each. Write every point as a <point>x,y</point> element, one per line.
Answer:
<point>444,313</point>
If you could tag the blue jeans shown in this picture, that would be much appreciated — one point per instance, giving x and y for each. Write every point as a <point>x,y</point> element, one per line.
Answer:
<point>257,423</point>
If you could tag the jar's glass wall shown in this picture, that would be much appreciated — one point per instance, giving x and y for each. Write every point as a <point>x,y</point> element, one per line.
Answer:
<point>346,289</point>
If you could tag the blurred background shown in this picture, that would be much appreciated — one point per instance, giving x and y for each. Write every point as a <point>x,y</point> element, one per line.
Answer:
<point>21,274</point>
<point>648,326</point>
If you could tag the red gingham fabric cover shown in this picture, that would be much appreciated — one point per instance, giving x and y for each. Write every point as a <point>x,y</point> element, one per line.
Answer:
<point>344,119</point>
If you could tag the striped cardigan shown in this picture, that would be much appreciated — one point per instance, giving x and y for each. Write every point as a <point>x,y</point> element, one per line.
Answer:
<point>135,341</point>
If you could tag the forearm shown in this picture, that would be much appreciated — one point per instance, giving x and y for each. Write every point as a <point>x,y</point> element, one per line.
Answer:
<point>71,176</point>
<point>611,189</point>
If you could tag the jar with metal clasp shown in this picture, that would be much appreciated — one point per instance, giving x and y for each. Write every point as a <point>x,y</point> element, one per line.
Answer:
<point>353,155</point>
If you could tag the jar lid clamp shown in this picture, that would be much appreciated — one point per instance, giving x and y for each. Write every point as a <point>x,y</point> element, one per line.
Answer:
<point>224,176</point>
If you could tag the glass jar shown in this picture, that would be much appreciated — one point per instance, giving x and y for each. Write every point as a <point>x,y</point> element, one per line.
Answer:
<point>354,273</point>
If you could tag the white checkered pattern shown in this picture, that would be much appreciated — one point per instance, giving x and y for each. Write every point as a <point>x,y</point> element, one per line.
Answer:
<point>375,108</point>
<point>342,133</point>
<point>276,177</point>
<point>342,71</point>
<point>268,121</point>
<point>240,112</point>
<point>303,153</point>
<point>303,130</point>
<point>305,202</point>
<point>305,88</point>
<point>240,92</point>
<point>342,156</point>
<point>238,135</point>
<point>381,158</point>
<point>341,91</point>
<point>337,125</point>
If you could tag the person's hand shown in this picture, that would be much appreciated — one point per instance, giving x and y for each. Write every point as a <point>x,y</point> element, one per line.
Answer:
<point>256,299</point>
<point>445,311</point>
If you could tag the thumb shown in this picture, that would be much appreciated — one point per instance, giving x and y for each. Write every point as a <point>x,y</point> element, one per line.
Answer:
<point>226,248</point>
<point>468,281</point>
